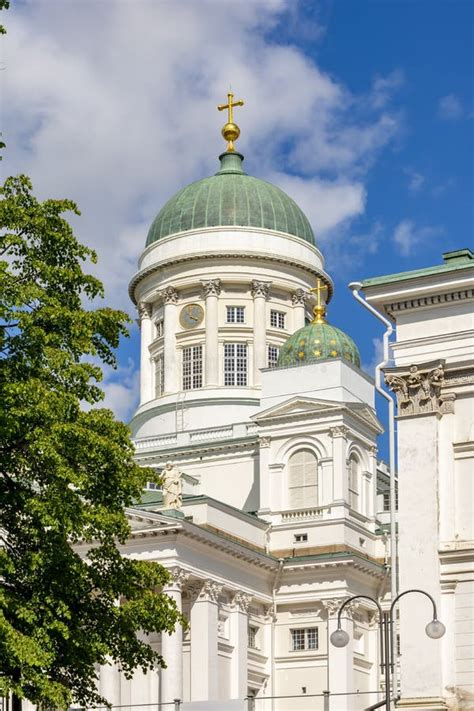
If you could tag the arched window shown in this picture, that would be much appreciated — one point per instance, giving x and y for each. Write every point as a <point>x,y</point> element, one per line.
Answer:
<point>303,479</point>
<point>354,485</point>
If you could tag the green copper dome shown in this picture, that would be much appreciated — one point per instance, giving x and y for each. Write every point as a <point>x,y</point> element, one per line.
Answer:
<point>315,342</point>
<point>228,199</point>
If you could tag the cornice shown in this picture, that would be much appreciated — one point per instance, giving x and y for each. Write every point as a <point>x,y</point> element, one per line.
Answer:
<point>228,256</point>
<point>243,444</point>
<point>446,298</point>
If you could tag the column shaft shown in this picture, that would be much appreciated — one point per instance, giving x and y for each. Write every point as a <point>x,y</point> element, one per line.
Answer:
<point>172,651</point>
<point>260,291</point>
<point>341,665</point>
<point>212,289</point>
<point>204,653</point>
<point>170,298</point>
<point>146,371</point>
<point>239,638</point>
<point>110,683</point>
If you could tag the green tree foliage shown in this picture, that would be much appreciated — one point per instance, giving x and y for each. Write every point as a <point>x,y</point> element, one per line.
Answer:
<point>66,473</point>
<point>4,5</point>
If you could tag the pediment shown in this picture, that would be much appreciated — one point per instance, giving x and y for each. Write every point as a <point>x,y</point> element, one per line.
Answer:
<point>297,406</point>
<point>140,520</point>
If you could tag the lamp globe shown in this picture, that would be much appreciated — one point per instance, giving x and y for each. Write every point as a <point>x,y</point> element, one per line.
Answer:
<point>435,629</point>
<point>339,638</point>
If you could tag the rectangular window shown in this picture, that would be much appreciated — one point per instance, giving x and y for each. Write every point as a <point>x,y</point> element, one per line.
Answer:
<point>273,352</point>
<point>252,636</point>
<point>235,364</point>
<point>277,319</point>
<point>235,314</point>
<point>301,537</point>
<point>153,486</point>
<point>386,500</point>
<point>192,367</point>
<point>305,638</point>
<point>159,328</point>
<point>159,376</point>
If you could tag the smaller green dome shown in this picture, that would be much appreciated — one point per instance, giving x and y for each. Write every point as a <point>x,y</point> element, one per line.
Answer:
<point>318,341</point>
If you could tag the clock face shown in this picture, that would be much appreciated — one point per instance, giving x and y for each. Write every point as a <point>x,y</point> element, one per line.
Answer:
<point>191,315</point>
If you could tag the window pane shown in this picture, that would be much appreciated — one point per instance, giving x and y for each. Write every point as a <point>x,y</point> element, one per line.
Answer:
<point>273,352</point>
<point>192,367</point>
<point>297,640</point>
<point>312,638</point>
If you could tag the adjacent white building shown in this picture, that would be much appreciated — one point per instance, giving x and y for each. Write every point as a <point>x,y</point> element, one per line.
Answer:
<point>433,378</point>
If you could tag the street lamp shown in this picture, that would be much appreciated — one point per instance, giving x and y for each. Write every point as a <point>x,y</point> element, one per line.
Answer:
<point>339,638</point>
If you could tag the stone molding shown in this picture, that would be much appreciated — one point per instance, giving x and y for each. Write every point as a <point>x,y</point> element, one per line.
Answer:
<point>211,287</point>
<point>433,300</point>
<point>260,288</point>
<point>333,605</point>
<point>298,298</point>
<point>241,602</point>
<point>459,377</point>
<point>170,295</point>
<point>446,403</point>
<point>417,387</point>
<point>144,310</point>
<point>265,441</point>
<point>339,431</point>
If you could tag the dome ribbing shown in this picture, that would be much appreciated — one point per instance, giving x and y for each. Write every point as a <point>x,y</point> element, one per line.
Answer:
<point>231,198</point>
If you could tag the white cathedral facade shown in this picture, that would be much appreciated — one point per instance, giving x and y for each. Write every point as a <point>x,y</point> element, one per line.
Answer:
<point>262,407</point>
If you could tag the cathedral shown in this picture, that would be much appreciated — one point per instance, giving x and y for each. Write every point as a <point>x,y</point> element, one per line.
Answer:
<point>257,415</point>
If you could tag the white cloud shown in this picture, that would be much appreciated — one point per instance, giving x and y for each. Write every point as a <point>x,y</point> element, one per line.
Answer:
<point>377,357</point>
<point>116,110</point>
<point>407,236</point>
<point>450,108</point>
<point>415,180</point>
<point>384,87</point>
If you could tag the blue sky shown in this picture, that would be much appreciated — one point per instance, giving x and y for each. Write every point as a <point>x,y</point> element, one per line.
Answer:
<point>361,110</point>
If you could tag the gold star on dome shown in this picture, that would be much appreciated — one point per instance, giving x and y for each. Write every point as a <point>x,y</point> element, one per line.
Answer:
<point>317,353</point>
<point>334,353</point>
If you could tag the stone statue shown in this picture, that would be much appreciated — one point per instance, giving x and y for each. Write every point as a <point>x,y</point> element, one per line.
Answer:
<point>172,488</point>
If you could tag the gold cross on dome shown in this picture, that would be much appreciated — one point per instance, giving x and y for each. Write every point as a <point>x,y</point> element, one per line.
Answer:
<point>229,106</point>
<point>320,309</point>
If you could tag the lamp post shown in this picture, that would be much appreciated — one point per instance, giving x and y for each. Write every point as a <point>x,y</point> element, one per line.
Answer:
<point>339,638</point>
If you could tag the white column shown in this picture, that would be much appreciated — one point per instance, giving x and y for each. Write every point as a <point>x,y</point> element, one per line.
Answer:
<point>298,301</point>
<point>325,483</point>
<point>110,683</point>
<point>447,614</point>
<point>170,299</point>
<point>146,336</point>
<point>340,659</point>
<point>264,462</point>
<point>204,653</point>
<point>260,290</point>
<point>172,644</point>
<point>367,502</point>
<point>340,473</point>
<point>239,638</point>
<point>212,290</point>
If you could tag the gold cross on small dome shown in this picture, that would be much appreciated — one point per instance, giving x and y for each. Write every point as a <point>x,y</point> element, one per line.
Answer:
<point>320,309</point>
<point>230,131</point>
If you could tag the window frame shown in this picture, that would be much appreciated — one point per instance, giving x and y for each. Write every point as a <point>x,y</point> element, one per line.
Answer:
<point>308,637</point>
<point>192,367</point>
<point>159,374</point>
<point>238,314</point>
<point>310,493</point>
<point>278,319</point>
<point>236,365</point>
<point>272,361</point>
<point>252,636</point>
<point>354,476</point>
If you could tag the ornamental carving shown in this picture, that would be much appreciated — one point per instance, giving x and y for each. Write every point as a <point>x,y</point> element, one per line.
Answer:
<point>446,403</point>
<point>299,297</point>
<point>170,295</point>
<point>241,601</point>
<point>332,606</point>
<point>265,441</point>
<point>179,577</point>
<point>211,287</point>
<point>208,590</point>
<point>260,288</point>
<point>417,388</point>
<point>340,431</point>
<point>144,310</point>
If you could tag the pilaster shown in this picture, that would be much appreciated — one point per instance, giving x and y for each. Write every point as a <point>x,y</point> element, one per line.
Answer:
<point>264,463</point>
<point>340,477</point>
<point>340,659</point>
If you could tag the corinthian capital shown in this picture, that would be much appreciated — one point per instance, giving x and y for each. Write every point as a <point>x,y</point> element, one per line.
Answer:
<point>179,577</point>
<point>417,388</point>
<point>241,601</point>
<point>260,288</point>
<point>211,287</point>
<point>144,310</point>
<point>207,590</point>
<point>298,298</point>
<point>339,431</point>
<point>170,295</point>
